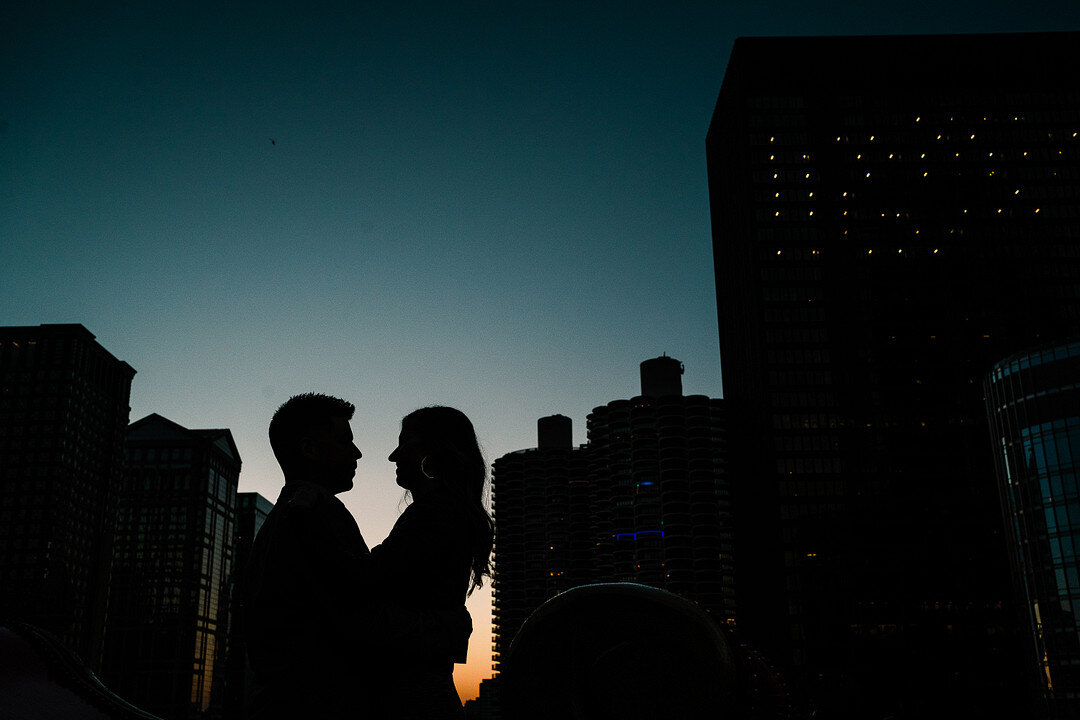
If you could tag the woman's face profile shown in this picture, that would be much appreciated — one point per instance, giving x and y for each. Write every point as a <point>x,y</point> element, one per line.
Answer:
<point>408,456</point>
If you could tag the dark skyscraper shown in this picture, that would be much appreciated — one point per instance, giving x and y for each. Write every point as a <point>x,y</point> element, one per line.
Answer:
<point>251,512</point>
<point>168,621</point>
<point>645,501</point>
<point>544,539</point>
<point>1033,402</point>
<point>890,216</point>
<point>63,413</point>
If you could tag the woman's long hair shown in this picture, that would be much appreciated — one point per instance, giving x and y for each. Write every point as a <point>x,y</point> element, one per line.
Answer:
<point>454,458</point>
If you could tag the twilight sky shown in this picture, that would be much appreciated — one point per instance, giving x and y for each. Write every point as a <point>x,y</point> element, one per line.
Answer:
<point>500,206</point>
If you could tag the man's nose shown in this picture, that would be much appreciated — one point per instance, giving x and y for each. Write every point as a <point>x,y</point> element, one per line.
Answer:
<point>357,453</point>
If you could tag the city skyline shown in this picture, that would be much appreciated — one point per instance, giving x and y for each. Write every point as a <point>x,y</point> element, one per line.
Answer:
<point>500,210</point>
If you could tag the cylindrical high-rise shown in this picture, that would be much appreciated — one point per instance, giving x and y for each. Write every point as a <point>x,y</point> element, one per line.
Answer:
<point>1033,403</point>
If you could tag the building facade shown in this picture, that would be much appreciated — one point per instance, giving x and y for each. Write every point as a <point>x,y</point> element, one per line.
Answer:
<point>1033,404</point>
<point>543,534</point>
<point>63,413</point>
<point>644,501</point>
<point>883,232</point>
<point>660,490</point>
<point>167,633</point>
<point>251,511</point>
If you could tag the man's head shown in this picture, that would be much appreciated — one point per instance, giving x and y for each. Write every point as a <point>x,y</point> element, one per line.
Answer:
<point>313,442</point>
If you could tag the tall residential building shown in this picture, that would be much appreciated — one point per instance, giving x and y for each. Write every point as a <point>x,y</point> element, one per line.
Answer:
<point>660,490</point>
<point>251,511</point>
<point>63,413</point>
<point>1033,402</point>
<point>543,536</point>
<point>166,642</point>
<point>884,230</point>
<point>644,501</point>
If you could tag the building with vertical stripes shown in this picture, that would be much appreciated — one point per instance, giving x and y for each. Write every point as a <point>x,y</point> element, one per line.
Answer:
<point>167,634</point>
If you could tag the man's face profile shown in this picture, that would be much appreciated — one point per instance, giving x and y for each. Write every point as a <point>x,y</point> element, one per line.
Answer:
<point>331,450</point>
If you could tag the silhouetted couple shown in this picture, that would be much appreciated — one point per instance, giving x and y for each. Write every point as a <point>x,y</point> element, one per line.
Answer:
<point>339,631</point>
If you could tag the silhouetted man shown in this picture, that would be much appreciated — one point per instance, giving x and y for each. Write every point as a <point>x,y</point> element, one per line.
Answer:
<point>316,636</point>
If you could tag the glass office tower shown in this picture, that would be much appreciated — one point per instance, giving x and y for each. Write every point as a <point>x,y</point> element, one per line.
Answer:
<point>1033,402</point>
<point>167,634</point>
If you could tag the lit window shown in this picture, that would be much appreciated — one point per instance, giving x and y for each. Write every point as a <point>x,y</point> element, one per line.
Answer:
<point>923,156</point>
<point>890,156</point>
<point>807,176</point>
<point>859,156</point>
<point>867,174</point>
<point>972,136</point>
<point>778,252</point>
<point>811,213</point>
<point>935,252</point>
<point>777,194</point>
<point>811,194</point>
<point>772,139</point>
<point>772,157</point>
<point>1037,209</point>
<point>938,137</point>
<point>871,138</point>
<point>777,213</point>
<point>1016,191</point>
<point>775,175</point>
<point>918,119</point>
<point>869,252</point>
<point>925,174</point>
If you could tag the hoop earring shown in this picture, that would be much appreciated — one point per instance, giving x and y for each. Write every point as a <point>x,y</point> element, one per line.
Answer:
<point>424,471</point>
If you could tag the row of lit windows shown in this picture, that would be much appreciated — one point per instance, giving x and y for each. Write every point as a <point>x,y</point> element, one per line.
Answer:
<point>795,314</point>
<point>793,511</point>
<point>797,214</point>
<point>806,421</point>
<point>800,294</point>
<point>792,163</point>
<point>797,357</point>
<point>795,335</point>
<point>805,443</point>
<point>803,399</point>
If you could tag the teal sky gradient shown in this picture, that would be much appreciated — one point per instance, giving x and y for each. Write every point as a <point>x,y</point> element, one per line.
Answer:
<point>499,206</point>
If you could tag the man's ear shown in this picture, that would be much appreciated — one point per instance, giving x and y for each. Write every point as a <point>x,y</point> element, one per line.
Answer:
<point>309,449</point>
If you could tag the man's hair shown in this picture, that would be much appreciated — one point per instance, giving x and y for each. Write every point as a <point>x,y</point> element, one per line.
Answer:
<point>295,420</point>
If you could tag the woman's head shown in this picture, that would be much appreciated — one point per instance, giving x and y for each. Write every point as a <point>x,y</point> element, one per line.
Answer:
<point>437,448</point>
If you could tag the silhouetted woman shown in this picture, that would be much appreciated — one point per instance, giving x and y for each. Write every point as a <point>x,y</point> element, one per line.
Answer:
<point>439,549</point>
